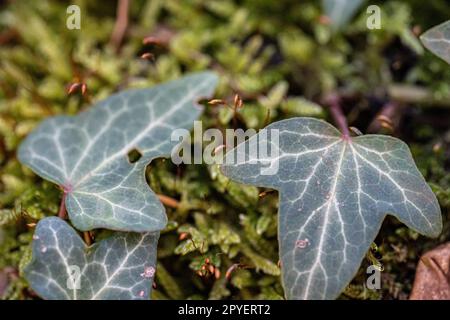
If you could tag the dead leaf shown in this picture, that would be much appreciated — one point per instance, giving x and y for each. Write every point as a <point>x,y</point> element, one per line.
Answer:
<point>432,280</point>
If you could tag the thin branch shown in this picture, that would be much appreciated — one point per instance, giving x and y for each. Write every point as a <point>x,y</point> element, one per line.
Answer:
<point>121,24</point>
<point>423,97</point>
<point>168,201</point>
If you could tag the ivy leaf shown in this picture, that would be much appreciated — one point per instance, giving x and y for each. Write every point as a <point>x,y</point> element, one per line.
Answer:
<point>334,195</point>
<point>88,154</point>
<point>437,40</point>
<point>340,11</point>
<point>64,268</point>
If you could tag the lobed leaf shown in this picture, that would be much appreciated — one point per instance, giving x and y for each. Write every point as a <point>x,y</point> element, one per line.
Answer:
<point>64,268</point>
<point>437,40</point>
<point>334,195</point>
<point>88,154</point>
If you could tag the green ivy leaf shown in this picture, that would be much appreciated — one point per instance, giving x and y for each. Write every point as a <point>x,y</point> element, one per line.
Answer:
<point>334,195</point>
<point>437,40</point>
<point>88,154</point>
<point>64,268</point>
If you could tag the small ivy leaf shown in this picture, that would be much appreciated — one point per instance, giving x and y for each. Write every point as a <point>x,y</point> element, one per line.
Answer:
<point>88,154</point>
<point>340,11</point>
<point>437,40</point>
<point>334,195</point>
<point>64,268</point>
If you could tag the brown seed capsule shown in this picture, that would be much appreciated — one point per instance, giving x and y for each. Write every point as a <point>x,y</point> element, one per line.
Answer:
<point>385,122</point>
<point>265,193</point>
<point>73,87</point>
<point>230,271</point>
<point>384,118</point>
<point>236,99</point>
<point>217,273</point>
<point>216,102</point>
<point>211,269</point>
<point>237,102</point>
<point>83,89</point>
<point>437,147</point>
<point>387,125</point>
<point>151,40</point>
<point>240,103</point>
<point>148,56</point>
<point>207,260</point>
<point>183,236</point>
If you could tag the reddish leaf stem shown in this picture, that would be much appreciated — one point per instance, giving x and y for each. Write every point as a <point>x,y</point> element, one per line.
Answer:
<point>87,238</point>
<point>334,103</point>
<point>62,207</point>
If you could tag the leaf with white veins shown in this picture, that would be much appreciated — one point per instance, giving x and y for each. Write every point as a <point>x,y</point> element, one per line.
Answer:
<point>120,267</point>
<point>87,154</point>
<point>437,40</point>
<point>334,195</point>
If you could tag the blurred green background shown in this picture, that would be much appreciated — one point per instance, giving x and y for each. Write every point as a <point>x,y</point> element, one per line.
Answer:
<point>282,57</point>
